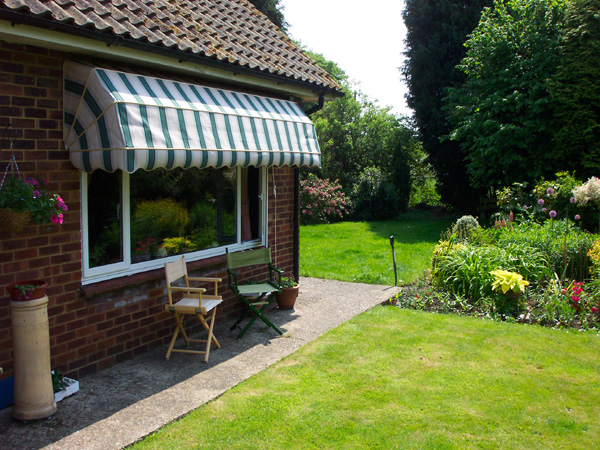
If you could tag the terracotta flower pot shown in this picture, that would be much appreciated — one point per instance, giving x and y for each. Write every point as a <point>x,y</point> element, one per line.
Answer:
<point>287,298</point>
<point>38,290</point>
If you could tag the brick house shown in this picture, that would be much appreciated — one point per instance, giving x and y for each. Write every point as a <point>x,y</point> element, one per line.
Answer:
<point>157,122</point>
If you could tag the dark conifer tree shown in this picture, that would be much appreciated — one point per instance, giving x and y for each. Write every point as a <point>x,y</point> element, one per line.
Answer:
<point>436,32</point>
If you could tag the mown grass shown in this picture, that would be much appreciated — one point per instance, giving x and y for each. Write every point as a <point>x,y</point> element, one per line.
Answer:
<point>361,251</point>
<point>393,378</point>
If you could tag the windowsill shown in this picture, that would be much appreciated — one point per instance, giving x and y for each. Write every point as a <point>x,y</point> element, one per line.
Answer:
<point>214,263</point>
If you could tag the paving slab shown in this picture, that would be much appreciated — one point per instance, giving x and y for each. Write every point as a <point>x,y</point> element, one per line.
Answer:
<point>117,406</point>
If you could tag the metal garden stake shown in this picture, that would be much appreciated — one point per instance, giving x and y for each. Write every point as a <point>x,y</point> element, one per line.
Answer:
<point>394,258</point>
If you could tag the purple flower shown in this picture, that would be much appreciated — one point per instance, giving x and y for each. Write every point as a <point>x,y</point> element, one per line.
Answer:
<point>541,201</point>
<point>573,200</point>
<point>549,191</point>
<point>553,214</point>
<point>577,217</point>
<point>54,218</point>
<point>544,210</point>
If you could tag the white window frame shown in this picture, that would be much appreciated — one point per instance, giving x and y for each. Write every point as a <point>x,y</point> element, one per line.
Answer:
<point>126,267</point>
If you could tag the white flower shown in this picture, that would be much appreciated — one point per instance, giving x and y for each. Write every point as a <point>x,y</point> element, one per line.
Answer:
<point>589,191</point>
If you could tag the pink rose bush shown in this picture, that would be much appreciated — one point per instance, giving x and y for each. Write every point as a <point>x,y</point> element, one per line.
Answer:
<point>322,201</point>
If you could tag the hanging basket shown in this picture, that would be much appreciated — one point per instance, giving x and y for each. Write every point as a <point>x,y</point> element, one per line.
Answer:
<point>15,221</point>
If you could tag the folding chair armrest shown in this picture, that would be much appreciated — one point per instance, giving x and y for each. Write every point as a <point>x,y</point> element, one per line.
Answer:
<point>218,280</point>
<point>279,272</point>
<point>214,280</point>
<point>187,289</point>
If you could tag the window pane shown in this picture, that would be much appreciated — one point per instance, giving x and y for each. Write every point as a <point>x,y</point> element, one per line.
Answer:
<point>180,211</point>
<point>104,212</point>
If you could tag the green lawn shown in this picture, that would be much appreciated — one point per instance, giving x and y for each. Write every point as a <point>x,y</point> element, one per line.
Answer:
<point>361,251</point>
<point>393,378</point>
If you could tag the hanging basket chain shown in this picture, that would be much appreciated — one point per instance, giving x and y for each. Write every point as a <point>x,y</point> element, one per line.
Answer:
<point>12,162</point>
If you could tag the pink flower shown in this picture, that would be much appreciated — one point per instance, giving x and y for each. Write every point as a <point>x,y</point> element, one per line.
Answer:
<point>594,310</point>
<point>549,191</point>
<point>60,218</point>
<point>577,217</point>
<point>573,200</point>
<point>541,201</point>
<point>553,214</point>
<point>54,218</point>
<point>543,209</point>
<point>575,299</point>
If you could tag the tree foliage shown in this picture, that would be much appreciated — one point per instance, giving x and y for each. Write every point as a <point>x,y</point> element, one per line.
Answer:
<point>436,32</point>
<point>575,89</point>
<point>501,114</point>
<point>273,10</point>
<point>356,135</point>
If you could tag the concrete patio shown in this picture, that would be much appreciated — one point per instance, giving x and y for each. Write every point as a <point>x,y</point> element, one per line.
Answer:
<point>120,405</point>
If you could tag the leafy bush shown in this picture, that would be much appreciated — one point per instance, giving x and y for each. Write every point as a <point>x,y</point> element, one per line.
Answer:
<point>374,196</point>
<point>564,246</point>
<point>160,219</point>
<point>321,201</point>
<point>594,255</point>
<point>178,244</point>
<point>565,305</point>
<point>465,270</point>
<point>463,227</point>
<point>548,199</point>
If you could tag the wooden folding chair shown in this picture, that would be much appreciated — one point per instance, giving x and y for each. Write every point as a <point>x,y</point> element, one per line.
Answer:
<point>254,294</point>
<point>194,302</point>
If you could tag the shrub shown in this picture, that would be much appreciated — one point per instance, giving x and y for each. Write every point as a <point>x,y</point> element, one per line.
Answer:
<point>374,196</point>
<point>594,255</point>
<point>463,227</point>
<point>178,244</point>
<point>160,219</point>
<point>537,204</point>
<point>565,305</point>
<point>466,270</point>
<point>565,246</point>
<point>321,201</point>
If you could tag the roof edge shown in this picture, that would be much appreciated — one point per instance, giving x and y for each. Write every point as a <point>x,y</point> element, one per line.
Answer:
<point>113,42</point>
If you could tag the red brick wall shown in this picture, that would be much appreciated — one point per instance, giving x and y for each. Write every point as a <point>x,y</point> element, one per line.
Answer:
<point>94,326</point>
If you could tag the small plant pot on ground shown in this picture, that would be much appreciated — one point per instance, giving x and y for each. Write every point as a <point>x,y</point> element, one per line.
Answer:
<point>286,299</point>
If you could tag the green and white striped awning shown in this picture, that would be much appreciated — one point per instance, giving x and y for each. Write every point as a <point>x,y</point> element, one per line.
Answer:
<point>124,121</point>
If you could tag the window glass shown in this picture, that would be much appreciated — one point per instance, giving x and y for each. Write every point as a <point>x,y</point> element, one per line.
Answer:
<point>105,218</point>
<point>181,211</point>
<point>133,219</point>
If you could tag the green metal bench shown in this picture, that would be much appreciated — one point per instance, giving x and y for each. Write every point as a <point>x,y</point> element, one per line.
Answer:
<point>257,295</point>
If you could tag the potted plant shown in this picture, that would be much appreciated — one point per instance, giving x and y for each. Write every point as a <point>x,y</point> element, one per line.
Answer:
<point>27,290</point>
<point>507,283</point>
<point>25,200</point>
<point>286,298</point>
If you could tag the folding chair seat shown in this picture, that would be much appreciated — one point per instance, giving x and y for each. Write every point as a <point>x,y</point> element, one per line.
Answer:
<point>256,294</point>
<point>194,302</point>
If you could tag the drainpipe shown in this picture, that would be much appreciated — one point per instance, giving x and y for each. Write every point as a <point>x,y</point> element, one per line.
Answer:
<point>296,218</point>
